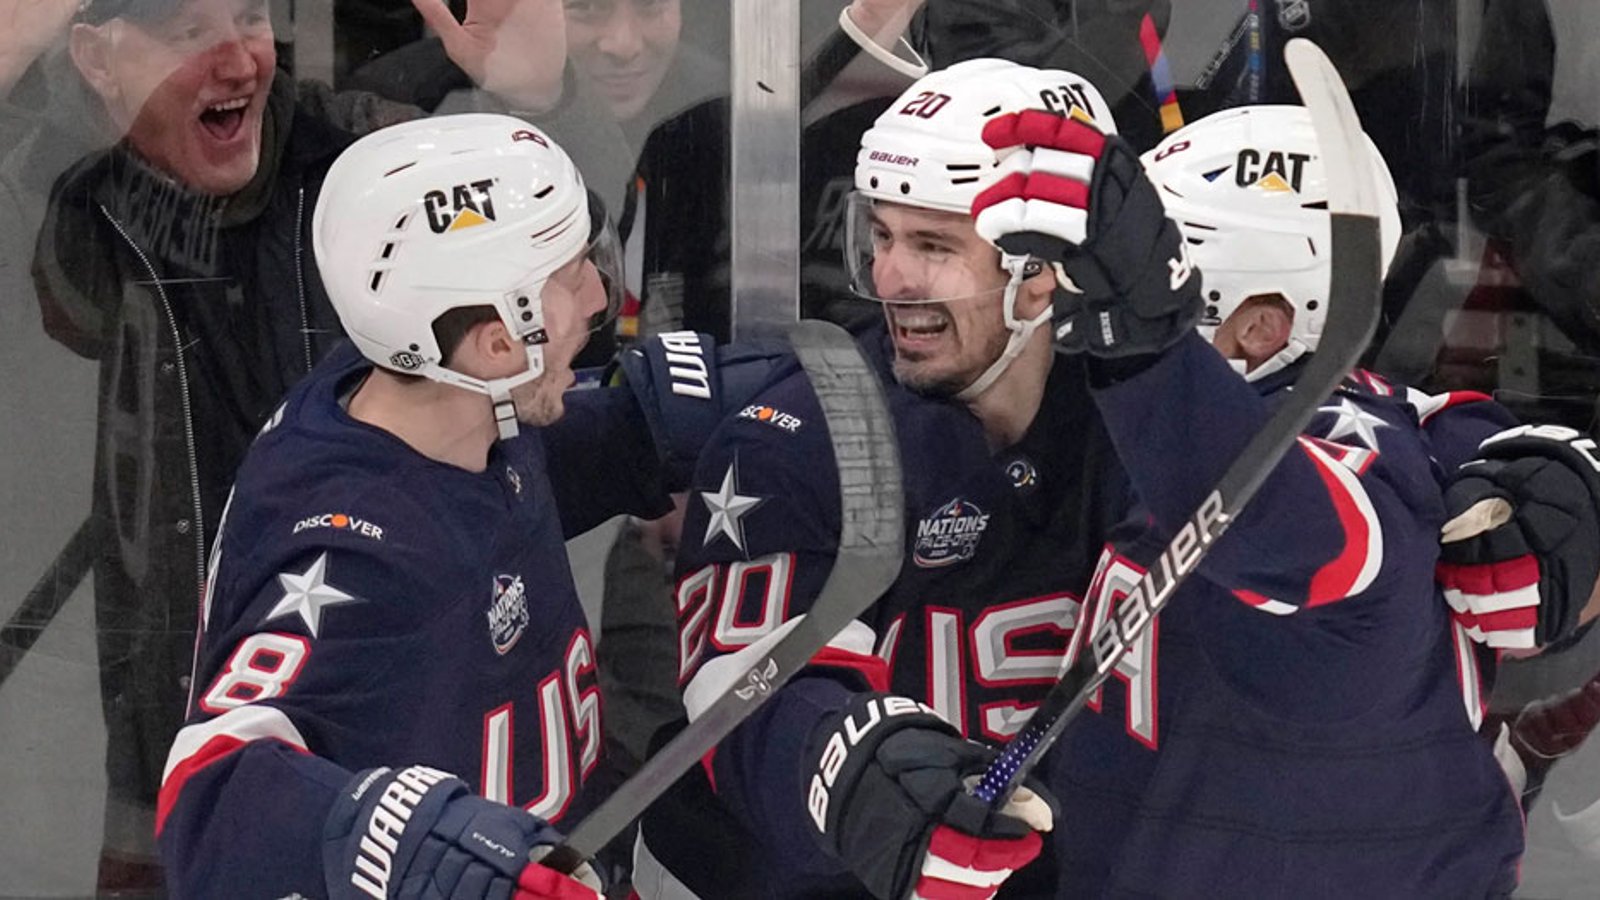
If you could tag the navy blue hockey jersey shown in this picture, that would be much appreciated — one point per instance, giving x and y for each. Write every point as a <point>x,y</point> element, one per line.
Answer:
<point>1301,719</point>
<point>370,606</point>
<point>999,547</point>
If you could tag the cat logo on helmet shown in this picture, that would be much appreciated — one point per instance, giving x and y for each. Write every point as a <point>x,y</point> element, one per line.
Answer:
<point>465,206</point>
<point>406,361</point>
<point>1271,170</point>
<point>526,135</point>
<point>1070,100</point>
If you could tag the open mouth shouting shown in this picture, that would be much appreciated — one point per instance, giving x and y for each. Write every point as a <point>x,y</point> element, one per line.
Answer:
<point>918,327</point>
<point>224,120</point>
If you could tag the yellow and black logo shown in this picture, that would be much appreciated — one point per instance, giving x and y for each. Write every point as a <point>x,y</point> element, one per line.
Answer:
<point>1271,170</point>
<point>465,206</point>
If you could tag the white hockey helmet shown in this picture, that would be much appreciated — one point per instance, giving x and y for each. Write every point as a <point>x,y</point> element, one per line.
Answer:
<point>456,211</point>
<point>927,151</point>
<point>1248,190</point>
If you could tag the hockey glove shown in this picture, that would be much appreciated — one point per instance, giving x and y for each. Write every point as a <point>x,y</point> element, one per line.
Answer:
<point>887,795</point>
<point>685,385</point>
<point>1079,198</point>
<point>1521,550</point>
<point>421,834</point>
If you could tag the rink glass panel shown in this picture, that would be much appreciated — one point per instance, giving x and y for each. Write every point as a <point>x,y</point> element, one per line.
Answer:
<point>1486,110</point>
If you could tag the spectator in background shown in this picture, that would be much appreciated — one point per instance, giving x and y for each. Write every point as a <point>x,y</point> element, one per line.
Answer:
<point>1531,142</point>
<point>521,68</point>
<point>173,258</point>
<point>630,54</point>
<point>174,254</point>
<point>1397,59</point>
<point>1534,186</point>
<point>1104,40</point>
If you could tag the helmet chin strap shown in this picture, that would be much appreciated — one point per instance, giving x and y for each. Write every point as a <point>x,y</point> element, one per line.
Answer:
<point>1021,329</point>
<point>497,389</point>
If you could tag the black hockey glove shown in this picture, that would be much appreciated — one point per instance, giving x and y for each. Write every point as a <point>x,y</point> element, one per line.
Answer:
<point>1521,551</point>
<point>887,794</point>
<point>421,834</point>
<point>1079,198</point>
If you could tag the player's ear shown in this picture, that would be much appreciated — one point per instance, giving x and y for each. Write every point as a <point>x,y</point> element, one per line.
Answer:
<point>1037,290</point>
<point>500,349</point>
<point>1265,329</point>
<point>487,350</point>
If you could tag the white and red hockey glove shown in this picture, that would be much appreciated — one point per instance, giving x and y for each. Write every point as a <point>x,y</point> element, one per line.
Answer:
<point>1079,199</point>
<point>1520,553</point>
<point>421,834</point>
<point>888,797</point>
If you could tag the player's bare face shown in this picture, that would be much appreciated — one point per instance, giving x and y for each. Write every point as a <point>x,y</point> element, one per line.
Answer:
<point>572,296</point>
<point>191,90</point>
<point>942,290</point>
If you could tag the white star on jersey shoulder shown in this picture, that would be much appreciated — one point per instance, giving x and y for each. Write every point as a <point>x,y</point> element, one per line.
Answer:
<point>307,595</point>
<point>1353,421</point>
<point>728,508</point>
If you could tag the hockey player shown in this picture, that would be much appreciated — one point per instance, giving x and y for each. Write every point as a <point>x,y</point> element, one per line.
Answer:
<point>394,690</point>
<point>996,435</point>
<point>1300,720</point>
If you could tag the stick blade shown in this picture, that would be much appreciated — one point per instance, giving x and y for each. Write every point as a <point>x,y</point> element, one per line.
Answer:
<point>872,530</point>
<point>1352,185</point>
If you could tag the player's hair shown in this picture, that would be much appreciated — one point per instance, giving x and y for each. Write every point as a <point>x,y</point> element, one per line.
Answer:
<point>452,325</point>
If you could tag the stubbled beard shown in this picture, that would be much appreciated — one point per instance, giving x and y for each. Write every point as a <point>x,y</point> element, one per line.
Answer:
<point>939,387</point>
<point>537,405</point>
<point>944,385</point>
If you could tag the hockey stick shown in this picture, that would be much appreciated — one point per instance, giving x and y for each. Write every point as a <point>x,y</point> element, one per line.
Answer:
<point>1354,298</point>
<point>841,47</point>
<point>871,546</point>
<point>49,594</point>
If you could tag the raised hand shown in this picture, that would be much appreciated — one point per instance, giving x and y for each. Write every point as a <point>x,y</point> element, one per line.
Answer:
<point>514,48</point>
<point>1078,198</point>
<point>27,29</point>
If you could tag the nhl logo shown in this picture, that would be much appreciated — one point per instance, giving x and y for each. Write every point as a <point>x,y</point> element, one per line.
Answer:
<point>508,613</point>
<point>1294,15</point>
<point>406,361</point>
